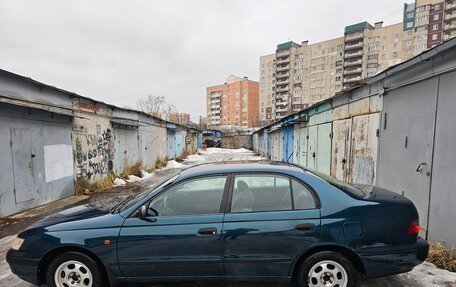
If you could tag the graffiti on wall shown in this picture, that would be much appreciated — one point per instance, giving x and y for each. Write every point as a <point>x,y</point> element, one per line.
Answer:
<point>94,154</point>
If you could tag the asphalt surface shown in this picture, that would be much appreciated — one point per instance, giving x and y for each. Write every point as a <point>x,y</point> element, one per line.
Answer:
<point>424,275</point>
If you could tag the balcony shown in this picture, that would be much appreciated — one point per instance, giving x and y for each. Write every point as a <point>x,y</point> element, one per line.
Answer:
<point>285,89</point>
<point>353,71</point>
<point>354,46</point>
<point>353,55</point>
<point>283,61</point>
<point>353,37</point>
<point>283,82</point>
<point>352,79</point>
<point>283,53</point>
<point>449,35</point>
<point>284,68</point>
<point>353,63</point>
<point>282,75</point>
<point>450,6</point>
<point>282,109</point>
<point>451,26</point>
<point>450,16</point>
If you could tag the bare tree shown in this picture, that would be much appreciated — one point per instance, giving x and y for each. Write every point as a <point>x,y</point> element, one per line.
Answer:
<point>156,106</point>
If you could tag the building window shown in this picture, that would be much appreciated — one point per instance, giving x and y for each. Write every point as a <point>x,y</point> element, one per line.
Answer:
<point>435,36</point>
<point>373,48</point>
<point>410,15</point>
<point>437,7</point>
<point>394,54</point>
<point>435,27</point>
<point>408,33</point>
<point>436,17</point>
<point>409,24</point>
<point>408,43</point>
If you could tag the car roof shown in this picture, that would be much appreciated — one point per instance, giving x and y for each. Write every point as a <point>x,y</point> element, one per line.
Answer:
<point>240,166</point>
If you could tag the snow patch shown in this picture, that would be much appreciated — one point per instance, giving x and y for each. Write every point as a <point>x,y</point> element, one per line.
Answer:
<point>216,150</point>
<point>145,174</point>
<point>119,182</point>
<point>174,164</point>
<point>195,158</point>
<point>133,178</point>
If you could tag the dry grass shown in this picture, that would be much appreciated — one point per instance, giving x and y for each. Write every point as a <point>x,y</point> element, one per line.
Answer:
<point>183,156</point>
<point>132,170</point>
<point>442,257</point>
<point>106,182</point>
<point>160,163</point>
<point>83,186</point>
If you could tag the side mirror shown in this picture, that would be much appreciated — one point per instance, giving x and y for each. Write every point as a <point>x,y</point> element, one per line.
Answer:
<point>143,211</point>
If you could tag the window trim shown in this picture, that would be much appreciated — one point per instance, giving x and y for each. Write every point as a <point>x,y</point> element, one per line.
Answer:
<point>174,184</point>
<point>290,178</point>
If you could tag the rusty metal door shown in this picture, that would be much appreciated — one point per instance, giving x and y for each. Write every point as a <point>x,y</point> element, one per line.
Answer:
<point>364,142</point>
<point>21,146</point>
<point>340,167</point>
<point>406,143</point>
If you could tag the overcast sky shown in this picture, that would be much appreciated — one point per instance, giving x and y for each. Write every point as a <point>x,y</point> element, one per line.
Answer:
<point>120,51</point>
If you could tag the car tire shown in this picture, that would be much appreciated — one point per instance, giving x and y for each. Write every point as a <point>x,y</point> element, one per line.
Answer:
<point>73,267</point>
<point>327,267</point>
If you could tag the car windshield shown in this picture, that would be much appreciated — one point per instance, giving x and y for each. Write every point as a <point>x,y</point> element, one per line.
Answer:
<point>132,200</point>
<point>347,188</point>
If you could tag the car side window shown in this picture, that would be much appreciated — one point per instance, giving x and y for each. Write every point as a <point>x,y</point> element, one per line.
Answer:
<point>261,192</point>
<point>302,196</point>
<point>192,197</point>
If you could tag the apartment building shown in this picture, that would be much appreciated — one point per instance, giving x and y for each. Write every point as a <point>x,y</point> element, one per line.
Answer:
<point>179,118</point>
<point>371,49</point>
<point>234,103</point>
<point>449,28</point>
<point>299,75</point>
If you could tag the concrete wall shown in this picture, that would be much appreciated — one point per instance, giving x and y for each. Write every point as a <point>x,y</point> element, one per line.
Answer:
<point>93,142</point>
<point>237,141</point>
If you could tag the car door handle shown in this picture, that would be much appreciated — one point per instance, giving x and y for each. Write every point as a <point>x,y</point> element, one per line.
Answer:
<point>208,231</point>
<point>305,227</point>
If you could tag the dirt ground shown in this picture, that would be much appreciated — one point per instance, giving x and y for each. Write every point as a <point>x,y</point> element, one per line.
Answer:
<point>424,275</point>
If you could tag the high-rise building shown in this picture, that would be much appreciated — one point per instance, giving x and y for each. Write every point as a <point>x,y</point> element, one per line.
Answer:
<point>449,28</point>
<point>180,118</point>
<point>235,103</point>
<point>299,75</point>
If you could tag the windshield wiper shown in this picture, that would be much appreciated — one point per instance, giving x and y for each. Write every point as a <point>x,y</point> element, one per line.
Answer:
<point>115,208</point>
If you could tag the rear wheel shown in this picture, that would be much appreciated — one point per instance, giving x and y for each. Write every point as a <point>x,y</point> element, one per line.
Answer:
<point>328,269</point>
<point>73,269</point>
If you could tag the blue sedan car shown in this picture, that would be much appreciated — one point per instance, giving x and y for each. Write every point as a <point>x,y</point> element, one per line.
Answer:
<point>227,221</point>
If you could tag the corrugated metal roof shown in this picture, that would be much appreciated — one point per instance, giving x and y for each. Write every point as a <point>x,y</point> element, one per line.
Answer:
<point>32,81</point>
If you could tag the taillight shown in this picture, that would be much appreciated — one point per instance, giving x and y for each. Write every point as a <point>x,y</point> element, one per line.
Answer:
<point>414,227</point>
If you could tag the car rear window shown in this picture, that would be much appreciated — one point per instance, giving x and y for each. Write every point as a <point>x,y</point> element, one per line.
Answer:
<point>345,187</point>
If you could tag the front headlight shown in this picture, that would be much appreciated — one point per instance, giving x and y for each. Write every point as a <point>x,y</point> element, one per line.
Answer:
<point>17,243</point>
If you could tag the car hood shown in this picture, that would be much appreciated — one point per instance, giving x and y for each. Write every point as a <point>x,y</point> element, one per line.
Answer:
<point>70,218</point>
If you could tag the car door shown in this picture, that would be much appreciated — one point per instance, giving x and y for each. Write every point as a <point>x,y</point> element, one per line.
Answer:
<point>184,239</point>
<point>271,219</point>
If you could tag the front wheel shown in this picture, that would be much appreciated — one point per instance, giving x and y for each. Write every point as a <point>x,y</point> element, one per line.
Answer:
<point>73,269</point>
<point>329,269</point>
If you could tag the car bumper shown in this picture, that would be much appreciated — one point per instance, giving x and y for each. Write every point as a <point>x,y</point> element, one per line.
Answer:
<point>390,260</point>
<point>24,265</point>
